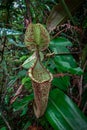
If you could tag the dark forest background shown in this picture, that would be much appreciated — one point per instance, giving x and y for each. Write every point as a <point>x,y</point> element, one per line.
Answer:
<point>66,58</point>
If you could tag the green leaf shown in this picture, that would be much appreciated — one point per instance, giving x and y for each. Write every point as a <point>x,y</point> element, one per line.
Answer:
<point>12,81</point>
<point>63,114</point>
<point>22,58</point>
<point>19,105</point>
<point>4,66</point>
<point>28,123</point>
<point>21,73</point>
<point>31,60</point>
<point>18,43</point>
<point>61,41</point>
<point>5,31</point>
<point>26,81</point>
<point>24,111</point>
<point>3,128</point>
<point>66,67</point>
<point>64,60</point>
<point>62,82</point>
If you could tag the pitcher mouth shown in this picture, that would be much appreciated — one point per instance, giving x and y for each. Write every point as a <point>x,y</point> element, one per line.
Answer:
<point>39,74</point>
<point>37,81</point>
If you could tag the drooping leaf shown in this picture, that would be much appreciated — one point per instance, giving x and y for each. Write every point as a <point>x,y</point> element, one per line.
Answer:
<point>63,114</point>
<point>66,67</point>
<point>56,17</point>
<point>58,14</point>
<point>62,82</point>
<point>63,62</point>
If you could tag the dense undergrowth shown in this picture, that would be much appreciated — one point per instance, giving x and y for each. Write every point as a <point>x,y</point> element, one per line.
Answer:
<point>66,59</point>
